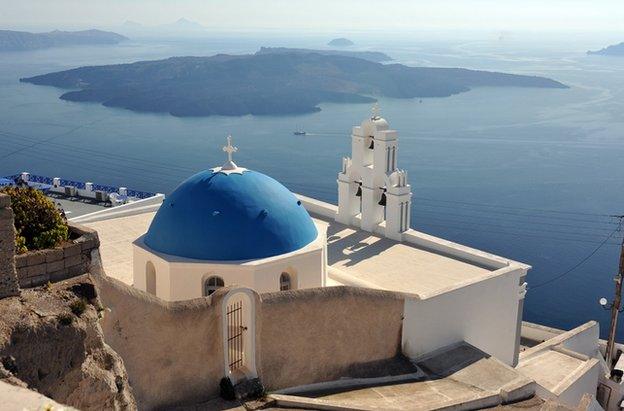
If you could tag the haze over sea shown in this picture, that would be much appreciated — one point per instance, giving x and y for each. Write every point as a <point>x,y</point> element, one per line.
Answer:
<point>524,173</point>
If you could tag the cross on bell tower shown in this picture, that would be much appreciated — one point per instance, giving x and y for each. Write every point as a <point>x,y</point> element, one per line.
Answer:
<point>375,111</point>
<point>229,149</point>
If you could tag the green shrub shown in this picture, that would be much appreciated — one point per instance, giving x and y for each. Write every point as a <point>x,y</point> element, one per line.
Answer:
<point>78,307</point>
<point>38,223</point>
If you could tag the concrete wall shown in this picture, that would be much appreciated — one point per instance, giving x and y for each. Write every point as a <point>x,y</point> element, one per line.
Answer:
<point>69,260</point>
<point>484,314</point>
<point>173,352</point>
<point>315,335</point>
<point>8,278</point>
<point>302,337</point>
<point>583,339</point>
<point>583,381</point>
<point>582,343</point>
<point>136,207</point>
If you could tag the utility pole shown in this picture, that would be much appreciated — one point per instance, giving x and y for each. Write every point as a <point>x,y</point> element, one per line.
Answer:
<point>615,307</point>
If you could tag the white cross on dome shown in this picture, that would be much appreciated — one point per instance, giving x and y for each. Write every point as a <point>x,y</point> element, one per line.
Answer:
<point>229,149</point>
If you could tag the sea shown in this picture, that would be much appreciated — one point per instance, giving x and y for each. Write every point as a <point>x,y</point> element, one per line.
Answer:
<point>535,175</point>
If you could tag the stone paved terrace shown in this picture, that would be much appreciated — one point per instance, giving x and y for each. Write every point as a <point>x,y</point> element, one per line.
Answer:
<point>380,262</point>
<point>116,237</point>
<point>458,375</point>
<point>393,265</point>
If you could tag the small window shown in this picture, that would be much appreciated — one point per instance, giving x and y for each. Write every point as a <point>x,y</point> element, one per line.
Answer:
<point>150,278</point>
<point>212,284</point>
<point>285,283</point>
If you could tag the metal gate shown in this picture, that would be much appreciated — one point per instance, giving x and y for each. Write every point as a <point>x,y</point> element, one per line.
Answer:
<point>235,337</point>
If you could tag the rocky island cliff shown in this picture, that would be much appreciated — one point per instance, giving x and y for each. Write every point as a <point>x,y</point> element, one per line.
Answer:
<point>265,83</point>
<point>613,50</point>
<point>22,40</point>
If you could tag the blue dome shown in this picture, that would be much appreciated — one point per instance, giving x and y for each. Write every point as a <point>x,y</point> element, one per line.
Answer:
<point>217,216</point>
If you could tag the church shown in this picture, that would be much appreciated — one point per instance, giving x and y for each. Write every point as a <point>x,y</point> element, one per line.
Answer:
<point>235,250</point>
<point>232,226</point>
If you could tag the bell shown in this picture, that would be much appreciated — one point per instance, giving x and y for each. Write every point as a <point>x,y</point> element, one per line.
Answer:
<point>372,145</point>
<point>382,202</point>
<point>358,193</point>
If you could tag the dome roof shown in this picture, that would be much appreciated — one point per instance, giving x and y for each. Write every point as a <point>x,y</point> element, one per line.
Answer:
<point>217,215</point>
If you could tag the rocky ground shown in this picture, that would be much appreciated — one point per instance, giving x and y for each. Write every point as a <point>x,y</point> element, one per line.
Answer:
<point>51,342</point>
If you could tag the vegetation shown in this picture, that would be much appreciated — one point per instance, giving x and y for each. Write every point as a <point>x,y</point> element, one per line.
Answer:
<point>78,307</point>
<point>38,223</point>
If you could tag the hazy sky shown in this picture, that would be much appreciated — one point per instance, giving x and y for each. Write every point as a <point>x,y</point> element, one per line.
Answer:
<point>322,15</point>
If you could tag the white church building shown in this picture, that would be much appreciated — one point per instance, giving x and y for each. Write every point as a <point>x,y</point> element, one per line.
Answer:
<point>230,225</point>
<point>233,227</point>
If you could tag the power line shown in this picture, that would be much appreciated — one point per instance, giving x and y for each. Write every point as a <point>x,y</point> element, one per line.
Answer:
<point>503,212</point>
<point>66,133</point>
<point>581,262</point>
<point>511,230</point>
<point>506,221</point>
<point>541,210</point>
<point>93,152</point>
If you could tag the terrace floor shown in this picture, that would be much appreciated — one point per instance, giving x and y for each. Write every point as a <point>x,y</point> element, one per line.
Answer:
<point>378,261</point>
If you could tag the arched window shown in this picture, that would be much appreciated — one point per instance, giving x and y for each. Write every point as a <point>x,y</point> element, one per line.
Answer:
<point>212,284</point>
<point>150,278</point>
<point>285,282</point>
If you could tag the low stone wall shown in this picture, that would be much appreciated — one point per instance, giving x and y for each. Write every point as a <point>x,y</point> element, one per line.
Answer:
<point>323,334</point>
<point>8,280</point>
<point>36,268</point>
<point>173,352</point>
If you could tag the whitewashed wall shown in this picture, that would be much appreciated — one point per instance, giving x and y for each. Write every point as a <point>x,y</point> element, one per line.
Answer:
<point>181,279</point>
<point>484,314</point>
<point>139,268</point>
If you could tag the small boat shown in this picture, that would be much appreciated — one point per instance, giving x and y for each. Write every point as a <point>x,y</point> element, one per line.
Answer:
<point>299,133</point>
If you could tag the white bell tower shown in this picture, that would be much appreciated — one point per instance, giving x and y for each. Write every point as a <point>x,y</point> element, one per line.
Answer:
<point>370,187</point>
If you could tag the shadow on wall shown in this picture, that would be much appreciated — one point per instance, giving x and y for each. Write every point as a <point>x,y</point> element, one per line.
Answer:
<point>323,334</point>
<point>173,352</point>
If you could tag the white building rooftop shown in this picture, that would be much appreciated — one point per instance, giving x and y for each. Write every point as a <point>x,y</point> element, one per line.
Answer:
<point>355,257</point>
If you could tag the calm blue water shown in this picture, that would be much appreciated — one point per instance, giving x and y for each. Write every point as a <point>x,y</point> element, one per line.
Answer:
<point>483,164</point>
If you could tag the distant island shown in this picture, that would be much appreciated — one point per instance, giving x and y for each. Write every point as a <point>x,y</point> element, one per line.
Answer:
<point>614,50</point>
<point>340,42</point>
<point>375,56</point>
<point>265,83</point>
<point>23,40</point>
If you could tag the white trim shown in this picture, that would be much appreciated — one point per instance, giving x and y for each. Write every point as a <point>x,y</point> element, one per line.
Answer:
<point>249,368</point>
<point>227,171</point>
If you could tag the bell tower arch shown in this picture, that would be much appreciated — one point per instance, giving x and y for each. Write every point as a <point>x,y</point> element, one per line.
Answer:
<point>371,188</point>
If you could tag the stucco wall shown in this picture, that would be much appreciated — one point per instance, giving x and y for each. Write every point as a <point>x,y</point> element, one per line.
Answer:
<point>484,314</point>
<point>182,279</point>
<point>172,351</point>
<point>315,335</point>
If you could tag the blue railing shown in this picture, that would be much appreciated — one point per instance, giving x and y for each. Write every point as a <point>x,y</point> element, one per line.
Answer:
<point>81,185</point>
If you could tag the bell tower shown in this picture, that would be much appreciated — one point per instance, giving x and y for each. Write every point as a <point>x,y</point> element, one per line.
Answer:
<point>369,181</point>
